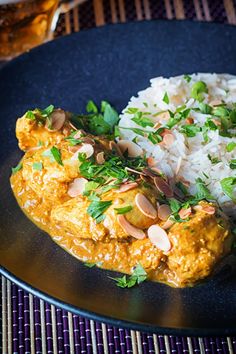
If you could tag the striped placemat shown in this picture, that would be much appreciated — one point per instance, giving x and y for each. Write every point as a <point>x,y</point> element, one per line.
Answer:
<point>32,326</point>
<point>100,12</point>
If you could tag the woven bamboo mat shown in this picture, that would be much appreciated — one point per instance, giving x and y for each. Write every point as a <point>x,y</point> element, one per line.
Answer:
<point>32,326</point>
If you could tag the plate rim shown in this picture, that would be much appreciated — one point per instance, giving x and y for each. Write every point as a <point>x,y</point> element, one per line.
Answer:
<point>131,325</point>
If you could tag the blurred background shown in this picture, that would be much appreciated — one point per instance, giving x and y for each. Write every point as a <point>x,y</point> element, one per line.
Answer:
<point>27,23</point>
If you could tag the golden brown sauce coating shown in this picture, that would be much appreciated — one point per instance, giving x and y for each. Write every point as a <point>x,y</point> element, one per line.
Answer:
<point>197,244</point>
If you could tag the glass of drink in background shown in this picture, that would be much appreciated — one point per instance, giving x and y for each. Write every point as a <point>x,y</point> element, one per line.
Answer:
<point>25,24</point>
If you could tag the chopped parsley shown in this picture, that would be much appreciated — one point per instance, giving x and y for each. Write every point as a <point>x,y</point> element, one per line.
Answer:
<point>190,130</point>
<point>232,164</point>
<point>90,265</point>
<point>166,98</point>
<point>123,210</point>
<point>17,168</point>
<point>97,208</point>
<point>228,186</point>
<point>54,154</point>
<point>175,205</point>
<point>30,115</point>
<point>202,190</point>
<point>72,140</point>
<point>37,166</point>
<point>141,120</point>
<point>138,276</point>
<point>98,122</point>
<point>198,89</point>
<point>187,78</point>
<point>230,146</point>
<point>214,160</point>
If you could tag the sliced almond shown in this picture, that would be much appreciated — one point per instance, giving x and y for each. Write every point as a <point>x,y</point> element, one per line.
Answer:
<point>135,171</point>
<point>126,187</point>
<point>86,149</point>
<point>133,149</point>
<point>217,122</point>
<point>114,146</point>
<point>150,161</point>
<point>165,132</point>
<point>78,135</point>
<point>189,120</point>
<point>168,224</point>
<point>164,212</point>
<point>185,213</point>
<point>164,115</point>
<point>215,102</point>
<point>74,148</point>
<point>57,120</point>
<point>163,187</point>
<point>100,158</point>
<point>77,187</point>
<point>145,206</point>
<point>209,209</point>
<point>130,229</point>
<point>87,140</point>
<point>159,238</point>
<point>197,207</point>
<point>168,140</point>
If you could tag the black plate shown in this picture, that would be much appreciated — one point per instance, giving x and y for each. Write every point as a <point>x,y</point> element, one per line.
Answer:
<point>110,63</point>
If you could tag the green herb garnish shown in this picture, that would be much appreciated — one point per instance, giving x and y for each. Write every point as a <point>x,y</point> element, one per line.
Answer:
<point>54,154</point>
<point>166,98</point>
<point>30,115</point>
<point>37,166</point>
<point>123,210</point>
<point>232,164</point>
<point>190,130</point>
<point>198,89</point>
<point>228,186</point>
<point>202,190</point>
<point>230,146</point>
<point>17,168</point>
<point>97,208</point>
<point>214,160</point>
<point>139,275</point>
<point>141,120</point>
<point>187,78</point>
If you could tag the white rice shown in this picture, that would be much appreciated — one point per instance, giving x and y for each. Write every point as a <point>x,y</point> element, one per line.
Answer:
<point>189,154</point>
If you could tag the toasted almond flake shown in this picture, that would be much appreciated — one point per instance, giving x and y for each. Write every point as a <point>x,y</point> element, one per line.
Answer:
<point>163,187</point>
<point>87,149</point>
<point>157,125</point>
<point>159,238</point>
<point>197,207</point>
<point>130,229</point>
<point>164,212</point>
<point>100,158</point>
<point>168,140</point>
<point>135,171</point>
<point>133,149</point>
<point>165,132</point>
<point>157,170</point>
<point>185,213</point>
<point>150,161</point>
<point>77,187</point>
<point>74,148</point>
<point>164,115</point>
<point>149,172</point>
<point>189,120</point>
<point>168,224</point>
<point>78,134</point>
<point>217,122</point>
<point>209,209</point>
<point>114,146</point>
<point>215,102</point>
<point>126,187</point>
<point>184,181</point>
<point>87,140</point>
<point>57,119</point>
<point>66,131</point>
<point>145,206</point>
<point>72,126</point>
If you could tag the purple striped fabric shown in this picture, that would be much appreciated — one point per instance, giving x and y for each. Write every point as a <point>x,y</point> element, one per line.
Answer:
<point>45,329</point>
